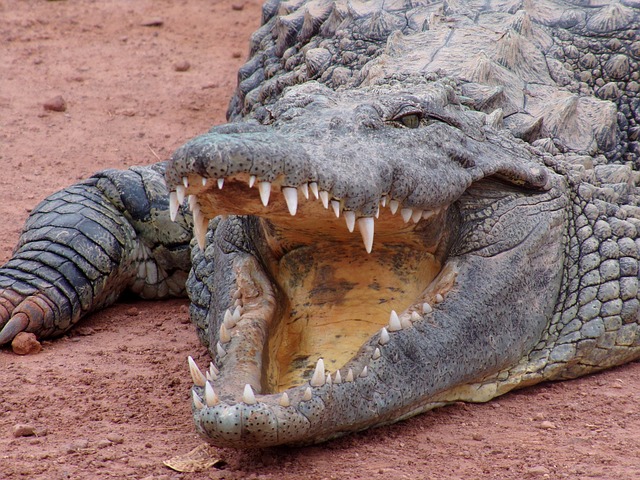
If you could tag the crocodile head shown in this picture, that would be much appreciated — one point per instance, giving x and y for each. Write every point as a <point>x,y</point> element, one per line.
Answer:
<point>317,330</point>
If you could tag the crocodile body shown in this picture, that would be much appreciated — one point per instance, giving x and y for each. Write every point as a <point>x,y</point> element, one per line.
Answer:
<point>487,152</point>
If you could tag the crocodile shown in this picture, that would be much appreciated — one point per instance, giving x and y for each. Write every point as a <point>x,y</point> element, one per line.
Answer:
<point>490,147</point>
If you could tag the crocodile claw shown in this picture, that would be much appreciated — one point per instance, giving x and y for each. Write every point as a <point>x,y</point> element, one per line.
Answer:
<point>33,313</point>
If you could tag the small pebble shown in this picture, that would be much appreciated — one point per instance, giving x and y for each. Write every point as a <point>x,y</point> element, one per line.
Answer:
<point>182,66</point>
<point>23,430</point>
<point>56,104</point>
<point>25,343</point>
<point>78,445</point>
<point>152,22</point>
<point>104,443</point>
<point>546,425</point>
<point>237,6</point>
<point>478,437</point>
<point>236,54</point>
<point>85,331</point>
<point>115,438</point>
<point>537,470</point>
<point>132,312</point>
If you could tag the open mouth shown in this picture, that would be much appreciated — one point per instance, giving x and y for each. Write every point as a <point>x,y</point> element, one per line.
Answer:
<point>325,290</point>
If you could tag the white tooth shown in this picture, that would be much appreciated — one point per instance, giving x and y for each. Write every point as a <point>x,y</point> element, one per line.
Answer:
<point>384,336</point>
<point>394,322</point>
<point>366,225</point>
<point>383,201</point>
<point>328,382</point>
<point>220,183</point>
<point>417,215</point>
<point>213,370</point>
<point>338,378</point>
<point>252,181</point>
<point>200,228</point>
<point>225,337</point>
<point>428,214</point>
<point>405,322</point>
<point>324,196</point>
<point>228,320</point>
<point>376,354</point>
<point>364,372</point>
<point>304,188</point>
<point>237,313</point>
<point>284,400</point>
<point>406,214</point>
<point>208,376</point>
<point>265,190</point>
<point>197,401</point>
<point>335,204</point>
<point>196,375</point>
<point>180,194</point>
<point>236,295</point>
<point>192,201</point>
<point>173,206</point>
<point>220,351</point>
<point>314,189</point>
<point>307,394</point>
<point>393,206</point>
<point>350,218</point>
<point>317,380</point>
<point>185,182</point>
<point>415,316</point>
<point>238,303</point>
<point>248,396</point>
<point>439,298</point>
<point>349,376</point>
<point>378,211</point>
<point>291,197</point>
<point>426,308</point>
<point>204,181</point>
<point>210,396</point>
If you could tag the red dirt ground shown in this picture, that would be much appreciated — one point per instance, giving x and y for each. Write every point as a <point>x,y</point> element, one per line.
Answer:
<point>111,400</point>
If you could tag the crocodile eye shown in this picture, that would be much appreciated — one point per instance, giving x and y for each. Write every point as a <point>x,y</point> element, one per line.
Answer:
<point>412,120</point>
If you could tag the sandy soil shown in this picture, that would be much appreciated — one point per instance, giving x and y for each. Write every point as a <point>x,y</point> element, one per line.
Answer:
<point>111,399</point>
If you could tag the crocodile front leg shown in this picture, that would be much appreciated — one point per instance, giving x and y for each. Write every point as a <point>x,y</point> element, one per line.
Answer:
<point>82,247</point>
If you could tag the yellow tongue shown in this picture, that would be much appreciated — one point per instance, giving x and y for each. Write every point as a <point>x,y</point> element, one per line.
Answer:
<point>338,297</point>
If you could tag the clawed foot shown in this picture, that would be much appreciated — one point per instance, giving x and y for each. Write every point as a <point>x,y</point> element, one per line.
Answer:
<point>18,313</point>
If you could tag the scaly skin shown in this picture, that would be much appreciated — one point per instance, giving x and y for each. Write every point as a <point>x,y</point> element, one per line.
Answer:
<point>487,155</point>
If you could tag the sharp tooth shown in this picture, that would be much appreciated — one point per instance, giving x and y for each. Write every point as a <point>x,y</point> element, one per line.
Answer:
<point>364,372</point>
<point>265,190</point>
<point>338,378</point>
<point>350,218</point>
<point>185,182</point>
<point>349,376</point>
<point>307,394</point>
<point>384,336</point>
<point>192,201</point>
<point>199,228</point>
<point>328,382</point>
<point>197,401</point>
<point>173,206</point>
<point>291,197</point>
<point>394,322</point>
<point>405,322</point>
<point>406,214</point>
<point>208,376</point>
<point>439,298</point>
<point>248,396</point>
<point>210,396</point>
<point>237,313</point>
<point>225,337</point>
<point>204,181</point>
<point>416,216</point>
<point>383,201</point>
<point>428,214</point>
<point>284,400</point>
<point>415,316</point>
<point>238,303</point>
<point>220,183</point>
<point>304,188</point>
<point>393,206</point>
<point>228,320</point>
<point>317,380</point>
<point>376,354</point>
<point>366,225</point>
<point>426,308</point>
<point>196,375</point>
<point>378,211</point>
<point>335,204</point>
<point>324,196</point>
<point>252,181</point>
<point>220,351</point>
<point>236,295</point>
<point>314,189</point>
<point>213,370</point>
<point>180,194</point>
